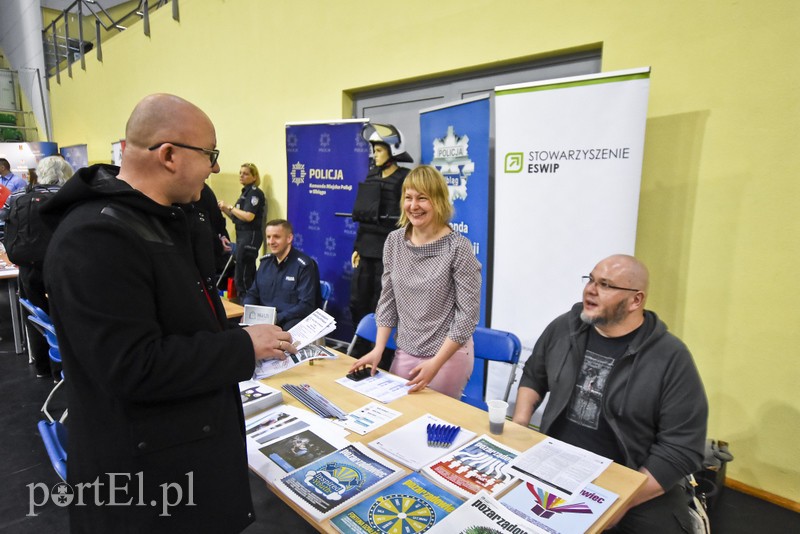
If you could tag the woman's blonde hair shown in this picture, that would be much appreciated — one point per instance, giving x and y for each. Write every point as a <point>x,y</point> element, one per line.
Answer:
<point>254,171</point>
<point>429,181</point>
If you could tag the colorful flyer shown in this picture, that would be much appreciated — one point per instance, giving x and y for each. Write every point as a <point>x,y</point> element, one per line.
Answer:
<point>413,504</point>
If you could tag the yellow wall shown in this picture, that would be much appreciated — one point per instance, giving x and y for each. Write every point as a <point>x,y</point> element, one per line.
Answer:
<point>718,219</point>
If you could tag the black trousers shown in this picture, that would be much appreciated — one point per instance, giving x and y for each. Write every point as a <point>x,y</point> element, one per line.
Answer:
<point>666,514</point>
<point>31,287</point>
<point>365,290</point>
<point>248,244</point>
<point>365,287</point>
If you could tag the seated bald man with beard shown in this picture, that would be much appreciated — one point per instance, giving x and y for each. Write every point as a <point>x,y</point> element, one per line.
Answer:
<point>622,387</point>
<point>156,431</point>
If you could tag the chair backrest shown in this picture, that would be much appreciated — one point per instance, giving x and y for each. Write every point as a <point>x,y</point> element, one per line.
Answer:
<point>47,329</point>
<point>54,436</point>
<point>490,345</point>
<point>35,310</point>
<point>368,329</point>
<point>326,289</point>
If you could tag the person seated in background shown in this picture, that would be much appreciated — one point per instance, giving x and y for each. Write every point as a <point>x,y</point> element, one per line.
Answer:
<point>625,388</point>
<point>287,279</point>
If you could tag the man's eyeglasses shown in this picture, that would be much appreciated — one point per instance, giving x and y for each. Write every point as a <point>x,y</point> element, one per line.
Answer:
<point>213,155</point>
<point>603,285</point>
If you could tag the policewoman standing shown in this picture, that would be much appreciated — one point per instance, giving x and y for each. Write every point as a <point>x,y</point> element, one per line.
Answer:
<point>248,215</point>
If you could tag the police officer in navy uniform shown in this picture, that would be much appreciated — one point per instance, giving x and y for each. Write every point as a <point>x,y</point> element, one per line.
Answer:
<point>376,210</point>
<point>287,279</point>
<point>248,215</point>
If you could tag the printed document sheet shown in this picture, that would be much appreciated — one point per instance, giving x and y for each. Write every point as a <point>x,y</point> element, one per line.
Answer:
<point>559,467</point>
<point>382,387</point>
<point>317,325</point>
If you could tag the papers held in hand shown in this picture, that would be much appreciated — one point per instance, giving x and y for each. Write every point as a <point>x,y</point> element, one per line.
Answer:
<point>316,325</point>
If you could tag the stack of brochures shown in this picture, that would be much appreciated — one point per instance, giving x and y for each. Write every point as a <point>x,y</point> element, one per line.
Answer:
<point>332,483</point>
<point>478,465</point>
<point>257,397</point>
<point>286,438</point>
<point>267,368</point>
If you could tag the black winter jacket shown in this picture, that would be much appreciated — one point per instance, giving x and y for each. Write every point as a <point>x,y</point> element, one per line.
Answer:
<point>151,371</point>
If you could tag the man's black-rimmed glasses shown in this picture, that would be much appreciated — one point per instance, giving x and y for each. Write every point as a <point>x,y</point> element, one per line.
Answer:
<point>213,155</point>
<point>602,284</point>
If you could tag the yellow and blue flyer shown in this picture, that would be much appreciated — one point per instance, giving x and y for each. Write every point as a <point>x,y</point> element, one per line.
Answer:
<point>412,505</point>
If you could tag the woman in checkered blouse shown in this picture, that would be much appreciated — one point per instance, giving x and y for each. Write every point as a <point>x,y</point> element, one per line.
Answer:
<point>431,291</point>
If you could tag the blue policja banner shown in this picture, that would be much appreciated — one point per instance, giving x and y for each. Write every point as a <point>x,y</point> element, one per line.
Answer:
<point>76,155</point>
<point>325,163</point>
<point>455,139</point>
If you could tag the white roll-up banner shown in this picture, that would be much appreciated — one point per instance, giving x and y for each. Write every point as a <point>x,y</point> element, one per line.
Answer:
<point>567,178</point>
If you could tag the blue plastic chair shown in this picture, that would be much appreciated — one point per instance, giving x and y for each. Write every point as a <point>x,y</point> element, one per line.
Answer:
<point>48,331</point>
<point>54,436</point>
<point>368,329</point>
<point>326,289</point>
<point>496,346</point>
<point>38,312</point>
<point>53,432</point>
<point>35,310</point>
<point>55,356</point>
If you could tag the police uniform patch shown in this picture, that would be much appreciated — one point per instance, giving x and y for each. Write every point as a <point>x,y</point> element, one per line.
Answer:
<point>254,200</point>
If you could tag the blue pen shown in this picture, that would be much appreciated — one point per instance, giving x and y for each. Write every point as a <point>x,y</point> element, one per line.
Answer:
<point>430,434</point>
<point>446,438</point>
<point>453,435</point>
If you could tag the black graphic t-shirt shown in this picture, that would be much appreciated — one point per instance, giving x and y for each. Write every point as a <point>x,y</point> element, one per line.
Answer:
<point>583,424</point>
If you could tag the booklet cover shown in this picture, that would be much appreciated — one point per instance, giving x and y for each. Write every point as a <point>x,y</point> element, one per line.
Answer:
<point>257,397</point>
<point>412,505</point>
<point>330,484</point>
<point>281,440</point>
<point>554,514</point>
<point>478,465</point>
<point>483,515</point>
<point>409,445</point>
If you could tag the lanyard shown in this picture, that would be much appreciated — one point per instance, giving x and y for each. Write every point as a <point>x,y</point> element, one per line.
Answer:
<point>208,299</point>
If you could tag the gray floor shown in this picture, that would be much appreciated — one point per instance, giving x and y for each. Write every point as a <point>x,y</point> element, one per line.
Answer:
<point>24,462</point>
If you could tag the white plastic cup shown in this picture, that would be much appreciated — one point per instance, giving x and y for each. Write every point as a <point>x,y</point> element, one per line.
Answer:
<point>497,415</point>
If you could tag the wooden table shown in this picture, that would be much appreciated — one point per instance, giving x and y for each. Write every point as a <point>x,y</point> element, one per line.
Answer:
<point>621,480</point>
<point>232,310</point>
<point>10,272</point>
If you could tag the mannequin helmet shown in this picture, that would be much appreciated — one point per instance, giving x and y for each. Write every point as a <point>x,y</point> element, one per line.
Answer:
<point>390,136</point>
